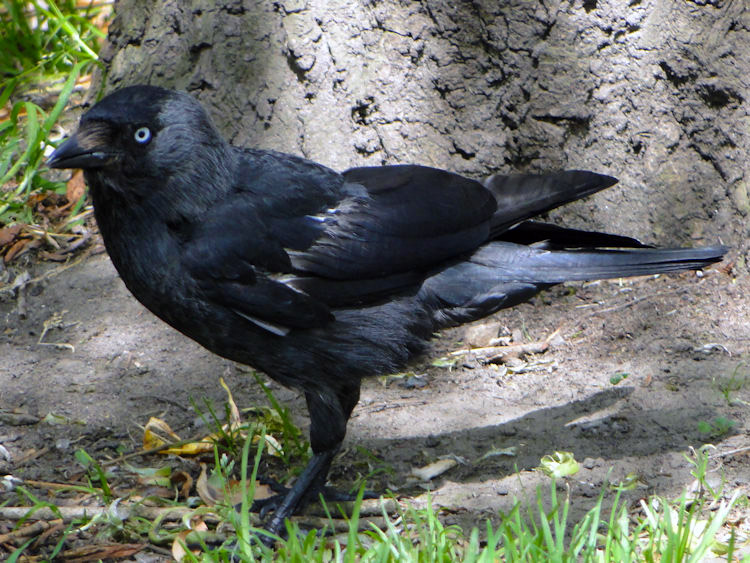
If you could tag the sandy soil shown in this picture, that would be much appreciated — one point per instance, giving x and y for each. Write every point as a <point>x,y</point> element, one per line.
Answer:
<point>681,340</point>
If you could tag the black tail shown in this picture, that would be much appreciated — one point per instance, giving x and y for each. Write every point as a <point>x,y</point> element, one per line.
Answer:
<point>553,236</point>
<point>522,263</point>
<point>503,274</point>
<point>522,196</point>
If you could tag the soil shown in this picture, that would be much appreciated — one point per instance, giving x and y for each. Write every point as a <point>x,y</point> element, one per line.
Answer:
<point>679,345</point>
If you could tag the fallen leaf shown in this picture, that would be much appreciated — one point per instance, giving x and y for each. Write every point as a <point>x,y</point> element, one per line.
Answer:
<point>9,234</point>
<point>99,552</point>
<point>559,464</point>
<point>510,452</point>
<point>214,489</point>
<point>54,419</point>
<point>16,248</point>
<point>153,476</point>
<point>184,481</point>
<point>157,433</point>
<point>234,413</point>
<point>434,469</point>
<point>481,334</point>
<point>179,551</point>
<point>75,188</point>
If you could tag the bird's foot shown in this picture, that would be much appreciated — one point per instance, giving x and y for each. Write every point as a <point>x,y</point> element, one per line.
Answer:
<point>269,504</point>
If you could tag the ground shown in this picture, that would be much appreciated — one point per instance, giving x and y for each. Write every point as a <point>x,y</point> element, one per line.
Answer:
<point>679,346</point>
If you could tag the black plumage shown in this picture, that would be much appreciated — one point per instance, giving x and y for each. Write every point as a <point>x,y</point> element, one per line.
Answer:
<point>320,278</point>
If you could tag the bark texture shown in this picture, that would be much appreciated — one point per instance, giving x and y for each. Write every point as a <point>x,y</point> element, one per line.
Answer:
<point>654,92</point>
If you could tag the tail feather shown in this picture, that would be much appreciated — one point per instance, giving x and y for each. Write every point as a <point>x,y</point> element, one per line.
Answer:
<point>503,274</point>
<point>522,196</point>
<point>546,235</point>
<point>544,266</point>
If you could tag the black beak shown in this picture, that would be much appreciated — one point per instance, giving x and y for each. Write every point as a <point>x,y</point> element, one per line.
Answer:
<point>72,155</point>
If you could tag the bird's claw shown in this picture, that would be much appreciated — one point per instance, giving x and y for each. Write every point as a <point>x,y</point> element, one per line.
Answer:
<point>266,506</point>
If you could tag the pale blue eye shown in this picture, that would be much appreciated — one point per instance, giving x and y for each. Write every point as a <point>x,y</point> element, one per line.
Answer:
<point>142,135</point>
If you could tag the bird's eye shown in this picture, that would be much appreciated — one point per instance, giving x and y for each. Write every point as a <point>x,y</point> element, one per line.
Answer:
<point>142,135</point>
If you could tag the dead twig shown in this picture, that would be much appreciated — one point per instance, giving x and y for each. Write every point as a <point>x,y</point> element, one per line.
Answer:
<point>17,418</point>
<point>31,530</point>
<point>64,514</point>
<point>625,305</point>
<point>55,321</point>
<point>19,285</point>
<point>50,273</point>
<point>495,354</point>
<point>746,449</point>
<point>53,529</point>
<point>32,455</point>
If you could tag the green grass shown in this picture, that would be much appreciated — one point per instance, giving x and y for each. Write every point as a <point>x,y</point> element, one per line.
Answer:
<point>661,530</point>
<point>45,47</point>
<point>730,385</point>
<point>655,529</point>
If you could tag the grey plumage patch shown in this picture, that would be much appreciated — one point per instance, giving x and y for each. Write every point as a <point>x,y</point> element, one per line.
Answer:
<point>273,328</point>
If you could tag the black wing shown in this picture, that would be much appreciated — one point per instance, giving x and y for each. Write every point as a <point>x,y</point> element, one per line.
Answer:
<point>396,219</point>
<point>295,239</point>
<point>237,264</point>
<point>523,196</point>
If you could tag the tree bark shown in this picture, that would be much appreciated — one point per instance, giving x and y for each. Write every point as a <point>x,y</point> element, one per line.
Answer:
<point>654,92</point>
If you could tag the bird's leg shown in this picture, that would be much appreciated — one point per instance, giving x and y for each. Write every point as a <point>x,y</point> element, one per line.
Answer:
<point>329,413</point>
<point>312,479</point>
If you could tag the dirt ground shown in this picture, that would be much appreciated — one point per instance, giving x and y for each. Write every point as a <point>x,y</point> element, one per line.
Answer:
<point>682,341</point>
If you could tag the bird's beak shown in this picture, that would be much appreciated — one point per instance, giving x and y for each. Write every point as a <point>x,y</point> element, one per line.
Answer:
<point>81,151</point>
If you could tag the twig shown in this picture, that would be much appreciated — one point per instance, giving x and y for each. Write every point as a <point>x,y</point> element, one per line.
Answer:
<point>17,418</point>
<point>156,450</point>
<point>369,507</point>
<point>62,514</point>
<point>386,406</point>
<point>496,353</point>
<point>624,305</point>
<point>730,452</point>
<point>50,273</point>
<point>635,301</point>
<point>31,530</point>
<point>54,528</point>
<point>69,513</point>
<point>31,456</point>
<point>55,321</point>
<point>46,484</point>
<point>20,283</point>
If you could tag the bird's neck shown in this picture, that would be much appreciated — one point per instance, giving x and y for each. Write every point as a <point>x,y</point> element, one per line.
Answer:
<point>136,238</point>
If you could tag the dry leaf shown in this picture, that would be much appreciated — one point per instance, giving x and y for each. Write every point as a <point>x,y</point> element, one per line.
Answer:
<point>434,469</point>
<point>234,412</point>
<point>156,433</point>
<point>75,187</point>
<point>178,546</point>
<point>9,234</point>
<point>99,552</point>
<point>213,489</point>
<point>17,248</point>
<point>210,493</point>
<point>184,481</point>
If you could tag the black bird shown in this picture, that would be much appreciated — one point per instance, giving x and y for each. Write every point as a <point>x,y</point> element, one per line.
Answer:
<point>320,278</point>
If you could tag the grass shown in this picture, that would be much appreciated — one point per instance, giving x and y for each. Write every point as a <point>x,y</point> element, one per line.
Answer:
<point>663,531</point>
<point>729,386</point>
<point>47,49</point>
<point>689,528</point>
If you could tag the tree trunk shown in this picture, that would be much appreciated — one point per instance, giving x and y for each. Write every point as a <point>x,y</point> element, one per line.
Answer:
<point>654,92</point>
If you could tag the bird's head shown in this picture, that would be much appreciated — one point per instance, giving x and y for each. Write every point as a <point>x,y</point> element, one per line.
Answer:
<point>140,132</point>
